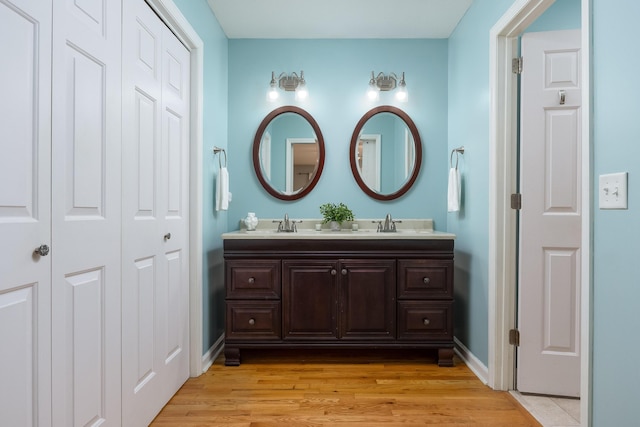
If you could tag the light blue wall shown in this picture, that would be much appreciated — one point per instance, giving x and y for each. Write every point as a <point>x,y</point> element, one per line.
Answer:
<point>214,224</point>
<point>469,126</point>
<point>561,15</point>
<point>337,74</point>
<point>616,270</point>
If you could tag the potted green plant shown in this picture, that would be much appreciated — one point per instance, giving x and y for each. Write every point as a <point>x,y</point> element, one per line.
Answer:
<point>335,214</point>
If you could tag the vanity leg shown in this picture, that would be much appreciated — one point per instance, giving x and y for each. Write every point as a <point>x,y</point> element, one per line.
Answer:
<point>231,356</point>
<point>445,357</point>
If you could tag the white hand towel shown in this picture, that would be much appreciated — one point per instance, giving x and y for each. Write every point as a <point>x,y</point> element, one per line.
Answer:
<point>222,190</point>
<point>453,194</point>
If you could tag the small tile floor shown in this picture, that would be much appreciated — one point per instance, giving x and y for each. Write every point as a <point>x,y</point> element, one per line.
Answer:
<point>551,411</point>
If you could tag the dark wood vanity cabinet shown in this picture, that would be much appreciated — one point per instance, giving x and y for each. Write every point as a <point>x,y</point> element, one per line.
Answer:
<point>383,293</point>
<point>347,299</point>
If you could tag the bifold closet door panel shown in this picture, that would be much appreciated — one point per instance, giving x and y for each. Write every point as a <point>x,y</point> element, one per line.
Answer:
<point>155,214</point>
<point>86,212</point>
<point>25,206</point>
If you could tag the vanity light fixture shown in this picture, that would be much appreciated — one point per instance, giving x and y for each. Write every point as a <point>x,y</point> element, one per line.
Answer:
<point>387,82</point>
<point>290,83</point>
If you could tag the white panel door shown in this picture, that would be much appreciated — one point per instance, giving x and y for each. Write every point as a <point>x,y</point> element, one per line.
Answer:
<point>86,212</point>
<point>155,214</point>
<point>369,150</point>
<point>25,199</point>
<point>551,219</point>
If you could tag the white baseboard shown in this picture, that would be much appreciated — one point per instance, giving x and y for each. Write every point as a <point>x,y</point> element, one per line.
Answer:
<point>210,356</point>
<point>476,366</point>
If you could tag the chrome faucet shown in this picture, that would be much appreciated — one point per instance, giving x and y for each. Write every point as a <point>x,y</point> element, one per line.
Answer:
<point>389,225</point>
<point>287,225</point>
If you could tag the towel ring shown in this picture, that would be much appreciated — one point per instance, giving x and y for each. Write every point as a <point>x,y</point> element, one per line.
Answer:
<point>457,151</point>
<point>217,150</point>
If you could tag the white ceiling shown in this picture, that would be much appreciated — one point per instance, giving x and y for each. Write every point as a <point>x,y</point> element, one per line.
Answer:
<point>338,19</point>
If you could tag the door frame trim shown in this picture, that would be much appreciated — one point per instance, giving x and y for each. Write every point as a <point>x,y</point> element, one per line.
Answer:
<point>178,24</point>
<point>502,182</point>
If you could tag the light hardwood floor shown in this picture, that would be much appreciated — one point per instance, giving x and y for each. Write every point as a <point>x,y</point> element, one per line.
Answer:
<point>345,388</point>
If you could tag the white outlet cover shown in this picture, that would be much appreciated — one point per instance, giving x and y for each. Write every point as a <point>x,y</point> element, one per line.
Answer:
<point>612,191</point>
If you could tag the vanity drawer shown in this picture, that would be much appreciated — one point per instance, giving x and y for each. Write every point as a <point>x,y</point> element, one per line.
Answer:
<point>425,279</point>
<point>255,279</point>
<point>253,319</point>
<point>418,320</point>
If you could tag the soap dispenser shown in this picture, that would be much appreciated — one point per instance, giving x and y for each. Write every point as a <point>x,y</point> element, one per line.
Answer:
<point>251,221</point>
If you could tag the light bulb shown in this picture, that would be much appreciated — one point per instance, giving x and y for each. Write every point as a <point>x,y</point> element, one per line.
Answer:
<point>301,91</point>
<point>401,94</point>
<point>373,93</point>
<point>272,95</point>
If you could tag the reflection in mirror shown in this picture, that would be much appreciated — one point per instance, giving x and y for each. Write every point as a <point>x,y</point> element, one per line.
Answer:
<point>301,161</point>
<point>288,153</point>
<point>385,153</point>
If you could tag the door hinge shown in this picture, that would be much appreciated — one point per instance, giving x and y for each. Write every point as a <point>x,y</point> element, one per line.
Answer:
<point>514,337</point>
<point>516,201</point>
<point>516,65</point>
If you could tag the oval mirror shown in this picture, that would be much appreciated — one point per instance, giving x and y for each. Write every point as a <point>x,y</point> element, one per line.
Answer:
<point>288,153</point>
<point>385,153</point>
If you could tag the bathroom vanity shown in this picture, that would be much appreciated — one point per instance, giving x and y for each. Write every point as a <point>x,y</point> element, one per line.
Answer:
<point>347,289</point>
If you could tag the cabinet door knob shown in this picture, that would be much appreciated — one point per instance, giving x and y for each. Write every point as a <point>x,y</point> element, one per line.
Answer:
<point>344,271</point>
<point>167,236</point>
<point>333,272</point>
<point>252,280</point>
<point>426,321</point>
<point>426,280</point>
<point>42,250</point>
<point>252,321</point>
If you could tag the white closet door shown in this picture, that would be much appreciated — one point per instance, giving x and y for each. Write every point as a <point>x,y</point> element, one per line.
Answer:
<point>86,212</point>
<point>25,197</point>
<point>155,214</point>
<point>551,217</point>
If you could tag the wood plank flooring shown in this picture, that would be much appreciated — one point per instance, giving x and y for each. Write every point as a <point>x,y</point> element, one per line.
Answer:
<point>345,388</point>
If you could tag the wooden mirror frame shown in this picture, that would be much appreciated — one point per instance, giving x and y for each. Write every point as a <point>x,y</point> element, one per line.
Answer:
<point>416,142</point>
<point>256,153</point>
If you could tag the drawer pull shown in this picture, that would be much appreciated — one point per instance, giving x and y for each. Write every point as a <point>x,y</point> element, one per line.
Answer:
<point>252,280</point>
<point>334,272</point>
<point>426,321</point>
<point>426,280</point>
<point>252,321</point>
<point>344,271</point>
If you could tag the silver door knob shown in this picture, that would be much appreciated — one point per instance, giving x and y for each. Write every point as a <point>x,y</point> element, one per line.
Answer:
<point>426,280</point>
<point>167,236</point>
<point>42,250</point>
<point>426,322</point>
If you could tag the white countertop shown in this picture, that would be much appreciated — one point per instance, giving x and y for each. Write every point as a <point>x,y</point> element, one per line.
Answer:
<point>406,229</point>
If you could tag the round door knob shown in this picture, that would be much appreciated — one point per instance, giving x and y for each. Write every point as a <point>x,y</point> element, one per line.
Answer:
<point>426,322</point>
<point>42,250</point>
<point>344,272</point>
<point>426,280</point>
<point>252,280</point>
<point>252,321</point>
<point>167,236</point>
<point>334,272</point>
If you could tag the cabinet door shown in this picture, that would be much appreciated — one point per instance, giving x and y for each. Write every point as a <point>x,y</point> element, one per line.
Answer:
<point>309,300</point>
<point>367,299</point>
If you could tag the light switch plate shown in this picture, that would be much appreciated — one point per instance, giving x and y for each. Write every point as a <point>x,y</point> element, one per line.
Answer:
<point>612,191</point>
